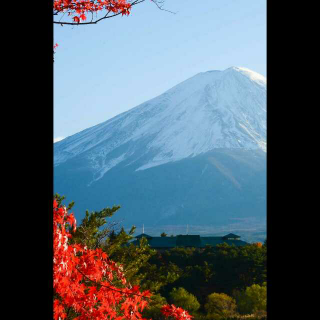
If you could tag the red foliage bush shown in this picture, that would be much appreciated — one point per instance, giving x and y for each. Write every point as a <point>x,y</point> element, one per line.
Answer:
<point>87,282</point>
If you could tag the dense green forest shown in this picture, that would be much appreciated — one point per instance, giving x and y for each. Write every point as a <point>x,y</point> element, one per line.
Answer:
<point>221,282</point>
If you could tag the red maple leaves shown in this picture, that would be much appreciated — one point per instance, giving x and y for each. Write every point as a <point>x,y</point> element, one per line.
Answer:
<point>87,282</point>
<point>80,8</point>
<point>176,313</point>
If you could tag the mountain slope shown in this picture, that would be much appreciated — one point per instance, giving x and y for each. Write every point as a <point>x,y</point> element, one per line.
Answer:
<point>196,153</point>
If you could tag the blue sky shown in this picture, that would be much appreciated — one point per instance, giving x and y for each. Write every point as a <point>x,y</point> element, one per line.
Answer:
<point>105,69</point>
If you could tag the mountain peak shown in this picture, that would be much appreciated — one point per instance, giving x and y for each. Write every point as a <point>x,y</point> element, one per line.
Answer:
<point>254,76</point>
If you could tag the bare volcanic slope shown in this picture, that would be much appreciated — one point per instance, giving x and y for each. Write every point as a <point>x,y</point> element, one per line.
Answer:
<point>195,154</point>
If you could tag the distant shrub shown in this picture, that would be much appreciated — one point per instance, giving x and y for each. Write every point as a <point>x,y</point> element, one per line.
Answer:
<point>220,306</point>
<point>240,317</point>
<point>247,317</point>
<point>183,299</point>
<point>253,300</point>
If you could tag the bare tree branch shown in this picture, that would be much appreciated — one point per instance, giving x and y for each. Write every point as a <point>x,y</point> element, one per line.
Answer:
<point>160,5</point>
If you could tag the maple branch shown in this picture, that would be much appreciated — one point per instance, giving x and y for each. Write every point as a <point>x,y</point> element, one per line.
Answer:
<point>111,288</point>
<point>86,23</point>
<point>95,22</point>
<point>158,3</point>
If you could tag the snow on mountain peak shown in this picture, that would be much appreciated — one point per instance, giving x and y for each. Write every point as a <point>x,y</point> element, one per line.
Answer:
<point>214,109</point>
<point>254,76</point>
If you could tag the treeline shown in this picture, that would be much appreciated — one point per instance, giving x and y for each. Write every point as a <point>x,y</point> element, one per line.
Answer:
<point>225,275</point>
<point>214,283</point>
<point>218,283</point>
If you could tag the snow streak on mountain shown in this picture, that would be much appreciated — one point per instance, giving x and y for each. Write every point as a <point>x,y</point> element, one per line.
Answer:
<point>214,109</point>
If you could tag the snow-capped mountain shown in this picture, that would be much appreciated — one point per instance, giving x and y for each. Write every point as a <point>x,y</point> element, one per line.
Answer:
<point>215,109</point>
<point>208,113</point>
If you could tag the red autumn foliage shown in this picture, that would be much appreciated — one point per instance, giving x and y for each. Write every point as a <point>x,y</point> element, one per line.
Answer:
<point>177,313</point>
<point>87,282</point>
<point>80,8</point>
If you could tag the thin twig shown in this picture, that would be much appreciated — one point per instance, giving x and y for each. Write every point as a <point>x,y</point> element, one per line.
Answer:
<point>160,7</point>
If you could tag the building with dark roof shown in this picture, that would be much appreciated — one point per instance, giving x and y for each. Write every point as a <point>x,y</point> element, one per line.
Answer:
<point>189,241</point>
<point>231,236</point>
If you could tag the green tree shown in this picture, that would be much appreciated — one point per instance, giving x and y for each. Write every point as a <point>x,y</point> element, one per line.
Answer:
<point>96,232</point>
<point>183,299</point>
<point>132,257</point>
<point>153,310</point>
<point>163,234</point>
<point>235,267</point>
<point>220,306</point>
<point>253,300</point>
<point>157,278</point>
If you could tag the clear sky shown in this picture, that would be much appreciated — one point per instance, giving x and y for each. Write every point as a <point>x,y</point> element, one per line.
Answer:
<point>105,69</point>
